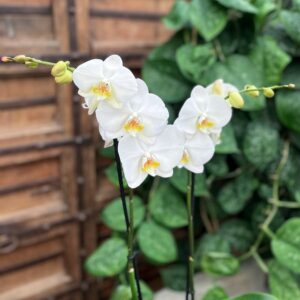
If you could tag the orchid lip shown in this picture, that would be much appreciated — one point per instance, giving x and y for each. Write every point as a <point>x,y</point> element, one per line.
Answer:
<point>150,164</point>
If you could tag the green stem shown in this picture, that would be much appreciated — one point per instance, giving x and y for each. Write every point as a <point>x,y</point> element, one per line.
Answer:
<point>276,203</point>
<point>260,262</point>
<point>48,63</point>
<point>286,204</point>
<point>131,273</point>
<point>191,266</point>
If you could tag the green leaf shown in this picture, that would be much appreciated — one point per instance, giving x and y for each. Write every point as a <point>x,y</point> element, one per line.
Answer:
<point>261,144</point>
<point>146,291</point>
<point>215,293</point>
<point>109,259</point>
<point>178,16</point>
<point>113,216</point>
<point>167,207</point>
<point>282,282</point>
<point>288,109</point>
<point>163,79</point>
<point>255,296</point>
<point>228,143</point>
<point>238,233</point>
<point>157,243</point>
<point>193,60</point>
<point>208,17</point>
<point>238,70</point>
<point>174,277</point>
<point>270,58</point>
<point>234,196</point>
<point>112,175</point>
<point>219,263</point>
<point>211,243</point>
<point>218,166</point>
<point>123,292</point>
<point>242,5</point>
<point>168,49</point>
<point>108,152</point>
<point>179,181</point>
<point>286,245</point>
<point>291,23</point>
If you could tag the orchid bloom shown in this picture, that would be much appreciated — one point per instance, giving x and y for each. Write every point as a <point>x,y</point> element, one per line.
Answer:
<point>203,112</point>
<point>198,150</point>
<point>140,159</point>
<point>107,80</point>
<point>144,115</point>
<point>220,88</point>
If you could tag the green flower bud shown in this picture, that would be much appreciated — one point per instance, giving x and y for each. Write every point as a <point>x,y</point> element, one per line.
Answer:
<point>20,58</point>
<point>59,68</point>
<point>268,92</point>
<point>236,100</point>
<point>65,78</point>
<point>252,93</point>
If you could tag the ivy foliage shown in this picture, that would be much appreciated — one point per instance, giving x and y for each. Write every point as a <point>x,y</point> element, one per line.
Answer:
<point>243,42</point>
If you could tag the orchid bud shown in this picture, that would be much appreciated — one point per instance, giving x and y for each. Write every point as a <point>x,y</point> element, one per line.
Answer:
<point>268,92</point>
<point>20,58</point>
<point>251,90</point>
<point>236,100</point>
<point>6,59</point>
<point>59,68</point>
<point>66,77</point>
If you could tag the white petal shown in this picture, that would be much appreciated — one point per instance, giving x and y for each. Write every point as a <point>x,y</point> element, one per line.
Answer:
<point>112,120</point>
<point>168,148</point>
<point>88,74</point>
<point>142,86</point>
<point>219,111</point>
<point>188,116</point>
<point>198,92</point>
<point>154,114</point>
<point>200,148</point>
<point>123,84</point>
<point>111,65</point>
<point>131,154</point>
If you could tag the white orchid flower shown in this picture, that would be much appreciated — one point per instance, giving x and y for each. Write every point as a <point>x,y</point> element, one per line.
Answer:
<point>107,80</point>
<point>203,112</point>
<point>220,88</point>
<point>144,116</point>
<point>158,159</point>
<point>198,150</point>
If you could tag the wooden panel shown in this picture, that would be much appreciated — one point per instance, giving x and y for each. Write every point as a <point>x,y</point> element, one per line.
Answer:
<point>34,109</point>
<point>41,264</point>
<point>154,6</point>
<point>37,185</point>
<point>132,27</point>
<point>34,27</point>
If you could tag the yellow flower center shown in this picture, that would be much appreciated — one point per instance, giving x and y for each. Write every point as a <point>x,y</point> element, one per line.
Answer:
<point>217,88</point>
<point>133,125</point>
<point>204,123</point>
<point>149,165</point>
<point>103,89</point>
<point>185,158</point>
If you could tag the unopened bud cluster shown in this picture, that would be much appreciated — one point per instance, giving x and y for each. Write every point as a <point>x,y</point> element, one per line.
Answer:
<point>61,73</point>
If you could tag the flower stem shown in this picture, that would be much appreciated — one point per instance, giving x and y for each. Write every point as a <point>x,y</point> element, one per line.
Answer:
<point>129,220</point>
<point>32,60</point>
<point>190,208</point>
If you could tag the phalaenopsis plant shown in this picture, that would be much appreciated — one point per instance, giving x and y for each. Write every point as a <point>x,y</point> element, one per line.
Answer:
<point>135,122</point>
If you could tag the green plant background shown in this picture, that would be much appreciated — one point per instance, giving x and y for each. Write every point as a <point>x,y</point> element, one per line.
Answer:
<point>254,177</point>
